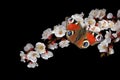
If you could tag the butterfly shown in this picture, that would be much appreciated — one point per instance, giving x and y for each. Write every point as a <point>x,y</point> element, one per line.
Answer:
<point>79,35</point>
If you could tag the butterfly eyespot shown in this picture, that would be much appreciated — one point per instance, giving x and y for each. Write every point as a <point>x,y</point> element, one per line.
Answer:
<point>69,33</point>
<point>85,44</point>
<point>98,38</point>
<point>70,20</point>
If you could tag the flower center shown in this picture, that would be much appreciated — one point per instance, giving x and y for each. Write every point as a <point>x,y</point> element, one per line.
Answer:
<point>104,47</point>
<point>90,22</point>
<point>104,24</point>
<point>34,54</point>
<point>41,47</point>
<point>60,32</point>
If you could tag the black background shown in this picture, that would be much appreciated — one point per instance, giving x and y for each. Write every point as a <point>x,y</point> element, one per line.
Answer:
<point>27,22</point>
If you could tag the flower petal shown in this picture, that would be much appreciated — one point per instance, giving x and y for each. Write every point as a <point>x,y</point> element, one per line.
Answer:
<point>118,13</point>
<point>28,47</point>
<point>32,65</point>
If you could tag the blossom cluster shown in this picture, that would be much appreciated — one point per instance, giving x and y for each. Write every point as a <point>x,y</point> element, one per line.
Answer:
<point>41,50</point>
<point>98,21</point>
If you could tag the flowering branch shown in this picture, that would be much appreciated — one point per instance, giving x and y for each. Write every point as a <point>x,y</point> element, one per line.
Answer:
<point>96,23</point>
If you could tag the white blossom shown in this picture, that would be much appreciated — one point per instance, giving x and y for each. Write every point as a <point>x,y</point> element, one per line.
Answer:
<point>23,56</point>
<point>91,14</point>
<point>32,65</point>
<point>90,21</point>
<point>47,55</point>
<point>78,17</point>
<point>109,15</point>
<point>59,30</point>
<point>102,13</point>
<point>103,46</point>
<point>40,47</point>
<point>97,13</point>
<point>118,13</point>
<point>64,43</point>
<point>28,47</point>
<point>32,56</point>
<point>53,46</point>
<point>111,50</point>
<point>46,33</point>
<point>103,25</point>
<point>94,13</point>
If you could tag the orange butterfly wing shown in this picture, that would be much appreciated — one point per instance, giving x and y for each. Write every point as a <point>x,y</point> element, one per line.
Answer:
<point>91,38</point>
<point>73,27</point>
